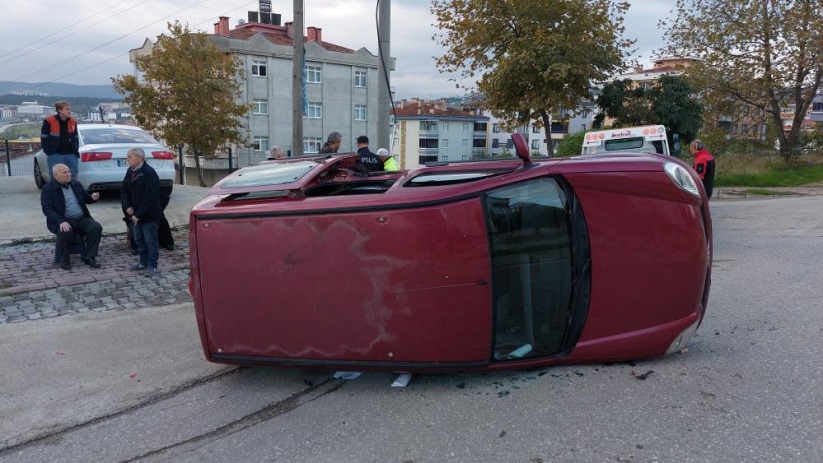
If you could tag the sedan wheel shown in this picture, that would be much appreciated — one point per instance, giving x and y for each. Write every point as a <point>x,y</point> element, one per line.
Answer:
<point>38,176</point>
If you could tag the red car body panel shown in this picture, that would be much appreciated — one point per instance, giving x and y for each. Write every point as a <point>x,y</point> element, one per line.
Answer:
<point>405,279</point>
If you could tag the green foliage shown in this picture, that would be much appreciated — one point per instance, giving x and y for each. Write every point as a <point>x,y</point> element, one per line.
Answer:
<point>188,94</point>
<point>671,102</point>
<point>571,145</point>
<point>766,56</point>
<point>531,58</point>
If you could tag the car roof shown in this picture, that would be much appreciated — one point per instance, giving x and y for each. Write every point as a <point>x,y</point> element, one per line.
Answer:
<point>82,127</point>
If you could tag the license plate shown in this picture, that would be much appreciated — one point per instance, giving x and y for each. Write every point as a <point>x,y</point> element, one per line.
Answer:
<point>122,163</point>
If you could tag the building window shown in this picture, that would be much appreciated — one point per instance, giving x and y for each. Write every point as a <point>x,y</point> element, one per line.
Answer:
<point>261,143</point>
<point>535,144</point>
<point>445,143</point>
<point>428,143</point>
<point>509,144</point>
<point>360,78</point>
<point>444,126</point>
<point>535,129</point>
<point>428,158</point>
<point>465,126</point>
<point>258,67</point>
<point>464,157</point>
<point>428,126</point>
<point>315,111</point>
<point>360,112</point>
<point>481,126</point>
<point>260,106</point>
<point>495,143</point>
<point>496,128</point>
<point>465,143</point>
<point>312,144</point>
<point>479,143</point>
<point>444,159</point>
<point>313,74</point>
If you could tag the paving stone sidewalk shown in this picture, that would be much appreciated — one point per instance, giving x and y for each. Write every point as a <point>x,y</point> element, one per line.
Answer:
<point>32,288</point>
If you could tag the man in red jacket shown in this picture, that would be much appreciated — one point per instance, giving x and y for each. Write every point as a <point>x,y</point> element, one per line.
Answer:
<point>703,165</point>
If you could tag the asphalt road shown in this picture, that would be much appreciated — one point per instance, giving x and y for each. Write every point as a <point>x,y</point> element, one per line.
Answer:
<point>133,386</point>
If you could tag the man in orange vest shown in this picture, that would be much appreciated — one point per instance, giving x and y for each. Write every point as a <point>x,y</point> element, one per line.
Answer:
<point>58,138</point>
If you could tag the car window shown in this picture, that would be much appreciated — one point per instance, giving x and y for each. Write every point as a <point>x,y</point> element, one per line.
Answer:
<point>531,244</point>
<point>621,144</point>
<point>115,135</point>
<point>269,174</point>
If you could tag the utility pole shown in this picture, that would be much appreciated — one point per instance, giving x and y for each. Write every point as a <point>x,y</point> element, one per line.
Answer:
<point>297,82</point>
<point>384,105</point>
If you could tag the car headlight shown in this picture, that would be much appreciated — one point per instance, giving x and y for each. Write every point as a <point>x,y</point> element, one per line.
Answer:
<point>681,177</point>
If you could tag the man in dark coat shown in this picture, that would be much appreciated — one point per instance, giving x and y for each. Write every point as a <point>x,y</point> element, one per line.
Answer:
<point>140,198</point>
<point>332,144</point>
<point>63,201</point>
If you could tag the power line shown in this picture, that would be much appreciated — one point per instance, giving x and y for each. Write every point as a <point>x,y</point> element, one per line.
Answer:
<point>62,31</point>
<point>112,41</point>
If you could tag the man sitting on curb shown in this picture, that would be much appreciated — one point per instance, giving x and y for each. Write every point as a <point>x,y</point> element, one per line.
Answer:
<point>63,201</point>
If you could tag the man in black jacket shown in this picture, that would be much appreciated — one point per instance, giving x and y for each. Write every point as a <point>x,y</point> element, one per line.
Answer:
<point>140,198</point>
<point>63,201</point>
<point>369,159</point>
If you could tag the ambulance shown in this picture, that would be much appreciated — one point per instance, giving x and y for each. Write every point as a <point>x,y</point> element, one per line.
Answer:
<point>647,138</point>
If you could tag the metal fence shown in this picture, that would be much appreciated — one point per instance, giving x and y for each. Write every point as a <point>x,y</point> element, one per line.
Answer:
<point>17,159</point>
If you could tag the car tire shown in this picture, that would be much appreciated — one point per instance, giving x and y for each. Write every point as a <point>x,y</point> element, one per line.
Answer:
<point>38,176</point>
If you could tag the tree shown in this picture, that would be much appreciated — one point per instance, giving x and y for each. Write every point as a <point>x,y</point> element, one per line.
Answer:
<point>670,102</point>
<point>534,58</point>
<point>188,94</point>
<point>767,55</point>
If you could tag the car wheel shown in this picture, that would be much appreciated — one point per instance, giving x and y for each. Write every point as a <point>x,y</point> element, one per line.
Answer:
<point>38,176</point>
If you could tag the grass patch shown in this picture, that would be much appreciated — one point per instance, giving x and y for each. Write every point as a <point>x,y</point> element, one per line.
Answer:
<point>775,176</point>
<point>28,130</point>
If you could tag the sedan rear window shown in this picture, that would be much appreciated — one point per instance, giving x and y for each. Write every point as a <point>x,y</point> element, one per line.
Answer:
<point>113,135</point>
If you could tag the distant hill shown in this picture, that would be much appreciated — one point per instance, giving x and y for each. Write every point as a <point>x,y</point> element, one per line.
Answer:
<point>46,90</point>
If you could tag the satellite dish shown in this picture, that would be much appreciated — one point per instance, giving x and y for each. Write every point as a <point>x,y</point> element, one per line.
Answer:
<point>240,22</point>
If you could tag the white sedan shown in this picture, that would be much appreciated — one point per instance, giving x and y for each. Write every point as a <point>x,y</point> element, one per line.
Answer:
<point>102,164</point>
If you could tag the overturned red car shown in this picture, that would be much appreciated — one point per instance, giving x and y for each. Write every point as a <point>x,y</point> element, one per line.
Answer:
<point>467,266</point>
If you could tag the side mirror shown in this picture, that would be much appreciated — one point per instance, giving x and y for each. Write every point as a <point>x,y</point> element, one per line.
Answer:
<point>521,147</point>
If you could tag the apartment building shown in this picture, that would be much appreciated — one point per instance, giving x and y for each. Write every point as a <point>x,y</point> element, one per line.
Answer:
<point>434,132</point>
<point>341,84</point>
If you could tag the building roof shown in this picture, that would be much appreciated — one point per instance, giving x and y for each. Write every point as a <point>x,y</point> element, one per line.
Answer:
<point>418,109</point>
<point>276,34</point>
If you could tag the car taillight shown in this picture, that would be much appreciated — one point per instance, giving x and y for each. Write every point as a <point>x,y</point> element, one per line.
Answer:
<point>91,156</point>
<point>162,155</point>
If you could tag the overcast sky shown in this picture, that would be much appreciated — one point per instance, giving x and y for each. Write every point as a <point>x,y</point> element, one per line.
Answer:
<point>87,41</point>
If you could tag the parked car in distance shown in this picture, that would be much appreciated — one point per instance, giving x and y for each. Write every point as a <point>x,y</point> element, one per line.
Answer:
<point>102,164</point>
<point>466,266</point>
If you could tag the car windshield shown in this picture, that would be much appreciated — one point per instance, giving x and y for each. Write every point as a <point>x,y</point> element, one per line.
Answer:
<point>269,174</point>
<point>107,135</point>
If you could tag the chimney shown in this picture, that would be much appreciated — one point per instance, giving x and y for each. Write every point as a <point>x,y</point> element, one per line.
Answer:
<point>222,26</point>
<point>290,29</point>
<point>314,34</point>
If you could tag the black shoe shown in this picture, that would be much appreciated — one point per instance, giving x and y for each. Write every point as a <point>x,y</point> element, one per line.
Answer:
<point>91,262</point>
<point>65,265</point>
